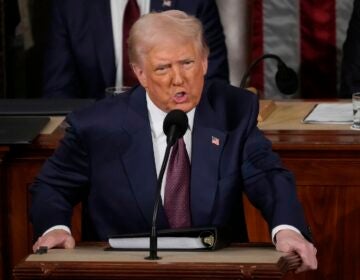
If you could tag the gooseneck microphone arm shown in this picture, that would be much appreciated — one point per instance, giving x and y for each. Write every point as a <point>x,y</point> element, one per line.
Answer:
<point>175,126</point>
<point>153,235</point>
<point>286,78</point>
<point>253,65</point>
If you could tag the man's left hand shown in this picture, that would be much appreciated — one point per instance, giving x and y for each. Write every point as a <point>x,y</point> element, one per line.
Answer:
<point>290,241</point>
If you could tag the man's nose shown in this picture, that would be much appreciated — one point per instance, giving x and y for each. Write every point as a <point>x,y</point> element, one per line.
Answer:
<point>177,78</point>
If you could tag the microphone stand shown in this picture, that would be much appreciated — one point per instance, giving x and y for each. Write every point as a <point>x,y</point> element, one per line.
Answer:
<point>175,125</point>
<point>256,62</point>
<point>153,236</point>
<point>286,78</point>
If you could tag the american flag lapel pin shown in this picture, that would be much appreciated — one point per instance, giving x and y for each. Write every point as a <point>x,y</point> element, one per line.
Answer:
<point>215,141</point>
<point>167,3</point>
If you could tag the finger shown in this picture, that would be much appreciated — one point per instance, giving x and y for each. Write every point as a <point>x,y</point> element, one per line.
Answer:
<point>309,261</point>
<point>44,241</point>
<point>36,245</point>
<point>294,265</point>
<point>69,242</point>
<point>292,261</point>
<point>301,268</point>
<point>292,256</point>
<point>305,267</point>
<point>41,242</point>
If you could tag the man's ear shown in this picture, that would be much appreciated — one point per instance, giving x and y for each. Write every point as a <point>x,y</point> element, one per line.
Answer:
<point>140,74</point>
<point>205,65</point>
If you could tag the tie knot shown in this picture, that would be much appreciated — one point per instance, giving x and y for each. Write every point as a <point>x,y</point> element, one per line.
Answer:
<point>180,142</point>
<point>179,148</point>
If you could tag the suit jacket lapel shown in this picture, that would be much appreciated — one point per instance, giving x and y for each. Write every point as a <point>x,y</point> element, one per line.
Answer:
<point>103,38</point>
<point>139,159</point>
<point>207,144</point>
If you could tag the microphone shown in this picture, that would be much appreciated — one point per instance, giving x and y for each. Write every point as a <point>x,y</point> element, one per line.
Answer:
<point>174,126</point>
<point>285,78</point>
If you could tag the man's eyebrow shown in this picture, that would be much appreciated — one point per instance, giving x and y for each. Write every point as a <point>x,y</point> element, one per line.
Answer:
<point>186,60</point>
<point>162,65</point>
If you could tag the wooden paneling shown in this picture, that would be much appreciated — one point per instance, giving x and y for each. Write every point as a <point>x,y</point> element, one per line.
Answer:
<point>21,165</point>
<point>350,219</point>
<point>21,168</point>
<point>20,173</point>
<point>3,151</point>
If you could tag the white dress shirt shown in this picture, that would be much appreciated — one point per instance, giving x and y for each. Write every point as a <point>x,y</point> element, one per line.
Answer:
<point>117,17</point>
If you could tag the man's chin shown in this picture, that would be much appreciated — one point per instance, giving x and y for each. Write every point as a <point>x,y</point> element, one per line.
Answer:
<point>186,107</point>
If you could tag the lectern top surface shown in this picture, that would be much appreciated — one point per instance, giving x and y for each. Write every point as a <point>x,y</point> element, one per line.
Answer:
<point>97,254</point>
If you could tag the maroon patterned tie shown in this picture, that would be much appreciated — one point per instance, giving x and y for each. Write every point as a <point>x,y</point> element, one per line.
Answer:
<point>131,14</point>
<point>177,187</point>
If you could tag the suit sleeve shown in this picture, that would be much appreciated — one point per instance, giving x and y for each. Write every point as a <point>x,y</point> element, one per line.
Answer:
<point>60,77</point>
<point>60,185</point>
<point>269,186</point>
<point>350,68</point>
<point>213,30</point>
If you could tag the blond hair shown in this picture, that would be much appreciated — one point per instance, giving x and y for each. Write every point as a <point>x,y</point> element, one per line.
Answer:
<point>152,28</point>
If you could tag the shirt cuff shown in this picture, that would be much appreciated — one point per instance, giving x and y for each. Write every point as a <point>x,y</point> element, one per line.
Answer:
<point>58,227</point>
<point>276,229</point>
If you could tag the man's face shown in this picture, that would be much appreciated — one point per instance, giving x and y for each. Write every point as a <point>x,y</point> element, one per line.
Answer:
<point>173,75</point>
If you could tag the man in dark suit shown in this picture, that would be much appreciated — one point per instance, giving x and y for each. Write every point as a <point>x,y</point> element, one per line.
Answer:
<point>80,57</point>
<point>350,68</point>
<point>112,151</point>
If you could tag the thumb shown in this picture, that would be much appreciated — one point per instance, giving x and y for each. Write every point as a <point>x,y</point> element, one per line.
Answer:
<point>69,242</point>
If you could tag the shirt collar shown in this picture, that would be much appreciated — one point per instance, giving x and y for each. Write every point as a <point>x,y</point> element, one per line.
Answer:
<point>157,117</point>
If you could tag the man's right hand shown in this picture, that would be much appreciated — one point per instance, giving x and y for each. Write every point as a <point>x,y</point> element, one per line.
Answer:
<point>56,238</point>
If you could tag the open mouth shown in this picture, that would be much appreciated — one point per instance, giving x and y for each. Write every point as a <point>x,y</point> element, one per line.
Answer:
<point>180,94</point>
<point>180,97</point>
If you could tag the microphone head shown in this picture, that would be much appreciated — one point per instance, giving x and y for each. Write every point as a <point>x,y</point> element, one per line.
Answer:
<point>175,125</point>
<point>286,80</point>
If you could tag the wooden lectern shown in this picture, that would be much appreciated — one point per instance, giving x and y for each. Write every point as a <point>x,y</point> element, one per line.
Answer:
<point>93,262</point>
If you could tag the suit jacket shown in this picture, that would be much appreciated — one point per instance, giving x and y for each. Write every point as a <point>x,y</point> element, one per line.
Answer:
<point>350,68</point>
<point>80,59</point>
<point>107,155</point>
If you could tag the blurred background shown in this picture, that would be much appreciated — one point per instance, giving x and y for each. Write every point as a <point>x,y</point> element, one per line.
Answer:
<point>307,35</point>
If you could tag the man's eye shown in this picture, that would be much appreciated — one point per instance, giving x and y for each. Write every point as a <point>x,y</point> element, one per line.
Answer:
<point>161,69</point>
<point>188,62</point>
